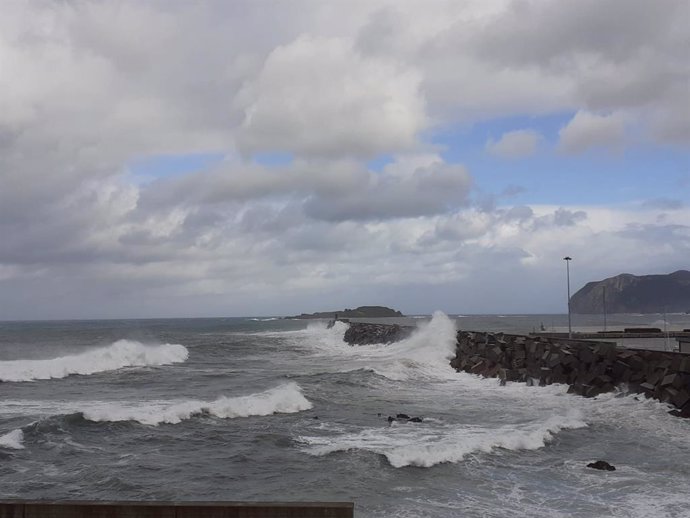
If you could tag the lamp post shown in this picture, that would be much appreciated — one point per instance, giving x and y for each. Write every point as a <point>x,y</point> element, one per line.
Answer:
<point>567,269</point>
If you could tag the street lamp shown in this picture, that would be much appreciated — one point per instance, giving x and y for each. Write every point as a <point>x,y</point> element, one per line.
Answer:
<point>567,269</point>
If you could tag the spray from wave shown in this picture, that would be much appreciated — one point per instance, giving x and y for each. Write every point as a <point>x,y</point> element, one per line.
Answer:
<point>12,440</point>
<point>285,399</point>
<point>425,354</point>
<point>423,446</point>
<point>123,353</point>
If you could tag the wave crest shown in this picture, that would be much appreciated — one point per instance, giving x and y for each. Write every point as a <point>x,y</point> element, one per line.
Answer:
<point>123,353</point>
<point>410,445</point>
<point>285,399</point>
<point>12,440</point>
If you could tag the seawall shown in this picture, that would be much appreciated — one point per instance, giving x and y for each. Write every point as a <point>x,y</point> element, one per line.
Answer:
<point>589,368</point>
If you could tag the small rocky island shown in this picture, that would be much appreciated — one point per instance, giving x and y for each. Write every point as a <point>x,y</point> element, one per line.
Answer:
<point>626,293</point>
<point>360,312</point>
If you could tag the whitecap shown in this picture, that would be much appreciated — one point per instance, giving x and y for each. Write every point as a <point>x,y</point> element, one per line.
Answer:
<point>123,353</point>
<point>284,399</point>
<point>424,446</point>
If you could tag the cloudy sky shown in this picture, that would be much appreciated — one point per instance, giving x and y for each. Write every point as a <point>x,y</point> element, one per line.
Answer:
<point>223,158</point>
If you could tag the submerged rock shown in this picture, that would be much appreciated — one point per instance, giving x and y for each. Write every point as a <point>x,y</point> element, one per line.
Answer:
<point>602,465</point>
<point>404,418</point>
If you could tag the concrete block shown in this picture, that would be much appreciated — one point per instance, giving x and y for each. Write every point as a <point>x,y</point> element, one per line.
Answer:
<point>517,363</point>
<point>636,363</point>
<point>591,391</point>
<point>655,377</point>
<point>681,399</point>
<point>478,367</point>
<point>668,394</point>
<point>554,359</point>
<point>685,365</point>
<point>637,377</point>
<point>619,368</point>
<point>671,379</point>
<point>576,388</point>
<point>647,388</point>
<point>585,355</point>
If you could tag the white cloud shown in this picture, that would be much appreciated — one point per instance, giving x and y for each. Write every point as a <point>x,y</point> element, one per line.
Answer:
<point>88,87</point>
<point>589,130</point>
<point>515,144</point>
<point>319,96</point>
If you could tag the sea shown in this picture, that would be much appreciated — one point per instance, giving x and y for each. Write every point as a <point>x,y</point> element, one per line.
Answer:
<point>271,409</point>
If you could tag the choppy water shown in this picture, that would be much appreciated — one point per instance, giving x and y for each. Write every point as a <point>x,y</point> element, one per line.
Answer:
<point>259,409</point>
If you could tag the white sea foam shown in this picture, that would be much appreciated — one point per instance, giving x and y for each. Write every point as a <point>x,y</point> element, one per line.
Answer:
<point>123,353</point>
<point>425,446</point>
<point>425,354</point>
<point>285,399</point>
<point>12,440</point>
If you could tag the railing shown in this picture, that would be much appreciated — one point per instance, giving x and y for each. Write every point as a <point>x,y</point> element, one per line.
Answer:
<point>90,509</point>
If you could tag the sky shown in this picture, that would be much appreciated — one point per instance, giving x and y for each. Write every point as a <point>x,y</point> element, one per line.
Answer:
<point>264,157</point>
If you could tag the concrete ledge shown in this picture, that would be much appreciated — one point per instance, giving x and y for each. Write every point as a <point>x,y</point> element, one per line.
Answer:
<point>91,509</point>
<point>613,334</point>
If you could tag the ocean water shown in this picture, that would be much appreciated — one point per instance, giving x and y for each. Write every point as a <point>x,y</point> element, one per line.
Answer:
<point>270,409</point>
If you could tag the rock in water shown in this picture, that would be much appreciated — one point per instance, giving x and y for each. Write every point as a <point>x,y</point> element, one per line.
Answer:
<point>360,333</point>
<point>602,465</point>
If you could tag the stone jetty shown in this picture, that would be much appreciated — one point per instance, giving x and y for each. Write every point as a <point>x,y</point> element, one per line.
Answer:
<point>589,368</point>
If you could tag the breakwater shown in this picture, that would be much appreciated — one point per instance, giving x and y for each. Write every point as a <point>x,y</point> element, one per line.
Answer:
<point>589,368</point>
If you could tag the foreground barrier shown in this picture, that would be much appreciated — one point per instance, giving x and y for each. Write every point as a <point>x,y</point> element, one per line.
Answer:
<point>69,509</point>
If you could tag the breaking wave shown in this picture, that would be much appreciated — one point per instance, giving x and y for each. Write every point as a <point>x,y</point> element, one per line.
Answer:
<point>285,399</point>
<point>12,440</point>
<point>425,354</point>
<point>423,446</point>
<point>123,353</point>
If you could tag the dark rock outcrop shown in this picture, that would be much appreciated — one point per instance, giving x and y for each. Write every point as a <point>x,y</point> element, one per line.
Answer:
<point>404,418</point>
<point>628,293</point>
<point>602,465</point>
<point>360,333</point>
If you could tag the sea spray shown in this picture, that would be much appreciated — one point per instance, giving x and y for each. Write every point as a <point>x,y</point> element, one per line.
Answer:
<point>284,399</point>
<point>123,353</point>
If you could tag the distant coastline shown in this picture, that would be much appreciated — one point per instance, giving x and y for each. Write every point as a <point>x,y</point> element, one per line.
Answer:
<point>360,312</point>
<point>626,293</point>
